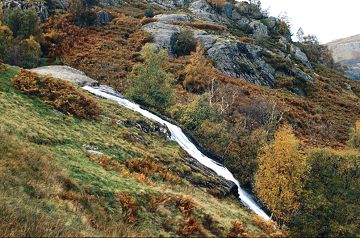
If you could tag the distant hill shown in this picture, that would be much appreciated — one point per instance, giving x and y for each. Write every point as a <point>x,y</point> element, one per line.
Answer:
<point>347,52</point>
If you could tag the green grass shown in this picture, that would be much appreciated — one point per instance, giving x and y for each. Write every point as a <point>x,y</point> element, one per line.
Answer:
<point>60,191</point>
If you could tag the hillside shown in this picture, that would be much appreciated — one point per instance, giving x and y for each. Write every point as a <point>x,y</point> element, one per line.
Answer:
<point>64,176</point>
<point>347,52</point>
<point>277,117</point>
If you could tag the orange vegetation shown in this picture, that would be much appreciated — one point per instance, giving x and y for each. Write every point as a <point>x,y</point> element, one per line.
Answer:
<point>61,94</point>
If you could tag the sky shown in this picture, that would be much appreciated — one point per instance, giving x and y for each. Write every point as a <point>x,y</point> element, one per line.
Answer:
<point>327,19</point>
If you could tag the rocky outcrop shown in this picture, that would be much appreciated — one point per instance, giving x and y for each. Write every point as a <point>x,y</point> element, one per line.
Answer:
<point>259,29</point>
<point>241,60</point>
<point>347,52</point>
<point>40,7</point>
<point>231,56</point>
<point>66,73</point>
<point>202,176</point>
<point>169,4</point>
<point>164,34</point>
<point>300,56</point>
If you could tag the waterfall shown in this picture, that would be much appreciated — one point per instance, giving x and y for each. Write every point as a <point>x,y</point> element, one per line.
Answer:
<point>178,135</point>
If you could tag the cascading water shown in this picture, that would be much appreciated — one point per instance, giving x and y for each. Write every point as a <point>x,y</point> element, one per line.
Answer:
<point>178,135</point>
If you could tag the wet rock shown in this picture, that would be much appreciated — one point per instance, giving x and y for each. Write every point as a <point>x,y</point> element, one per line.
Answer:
<point>204,177</point>
<point>149,127</point>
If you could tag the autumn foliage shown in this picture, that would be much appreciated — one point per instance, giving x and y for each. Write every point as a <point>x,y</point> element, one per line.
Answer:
<point>61,94</point>
<point>198,73</point>
<point>279,179</point>
<point>129,206</point>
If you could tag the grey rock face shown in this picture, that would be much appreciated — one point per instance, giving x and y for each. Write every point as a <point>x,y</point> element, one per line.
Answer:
<point>164,34</point>
<point>203,11</point>
<point>173,18</point>
<point>354,71</point>
<point>244,8</point>
<point>271,22</point>
<point>259,29</point>
<point>228,10</point>
<point>66,73</point>
<point>102,18</point>
<point>241,60</point>
<point>299,55</point>
<point>40,7</point>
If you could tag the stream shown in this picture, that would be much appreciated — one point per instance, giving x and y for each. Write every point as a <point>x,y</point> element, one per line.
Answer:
<point>179,136</point>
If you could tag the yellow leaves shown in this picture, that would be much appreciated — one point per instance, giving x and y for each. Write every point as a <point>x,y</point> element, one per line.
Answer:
<point>279,176</point>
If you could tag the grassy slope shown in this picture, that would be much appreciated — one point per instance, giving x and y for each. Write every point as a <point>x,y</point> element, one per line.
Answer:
<point>52,187</point>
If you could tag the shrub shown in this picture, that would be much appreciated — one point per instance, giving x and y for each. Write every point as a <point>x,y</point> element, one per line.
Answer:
<point>23,23</point>
<point>149,13</point>
<point>6,38</point>
<point>198,75</point>
<point>354,140</point>
<point>61,94</point>
<point>237,229</point>
<point>317,53</point>
<point>81,14</point>
<point>185,43</point>
<point>331,196</point>
<point>129,206</point>
<point>25,53</point>
<point>279,179</point>
<point>148,83</point>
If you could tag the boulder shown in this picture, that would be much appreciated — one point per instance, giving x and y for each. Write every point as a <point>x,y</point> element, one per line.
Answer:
<point>66,73</point>
<point>164,34</point>
<point>300,56</point>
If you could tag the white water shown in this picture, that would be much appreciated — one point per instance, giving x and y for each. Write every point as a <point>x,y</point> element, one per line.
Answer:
<point>178,135</point>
